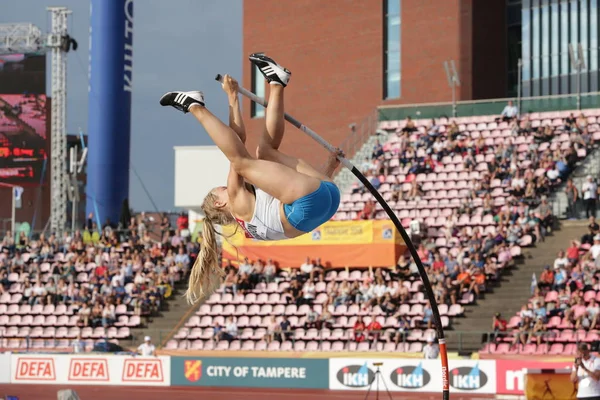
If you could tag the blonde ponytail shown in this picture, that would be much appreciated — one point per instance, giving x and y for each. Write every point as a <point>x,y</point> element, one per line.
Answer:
<point>206,274</point>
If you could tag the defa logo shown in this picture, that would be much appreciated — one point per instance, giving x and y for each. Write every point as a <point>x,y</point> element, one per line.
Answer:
<point>355,376</point>
<point>410,377</point>
<point>467,378</point>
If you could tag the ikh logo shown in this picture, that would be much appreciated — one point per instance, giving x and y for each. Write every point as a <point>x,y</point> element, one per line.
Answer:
<point>88,369</point>
<point>467,378</point>
<point>410,377</point>
<point>316,235</point>
<point>355,376</point>
<point>192,369</point>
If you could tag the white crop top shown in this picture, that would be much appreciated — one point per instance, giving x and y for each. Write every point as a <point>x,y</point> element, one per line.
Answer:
<point>266,221</point>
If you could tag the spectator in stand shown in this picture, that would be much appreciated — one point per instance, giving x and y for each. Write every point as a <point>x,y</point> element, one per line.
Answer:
<point>576,313</point>
<point>590,196</point>
<point>400,329</point>
<point>270,271</point>
<point>546,279</point>
<point>292,293</point>
<point>359,330</point>
<point>309,292</point>
<point>319,268</point>
<point>368,212</point>
<point>524,330</point>
<point>230,283</point>
<point>78,345</point>
<point>593,225</point>
<point>256,276</point>
<point>509,112</point>
<point>183,222</point>
<point>217,329</point>
<point>427,317</point>
<point>538,331</point>
<point>374,329</point>
<point>273,330</point>
<point>590,320</point>
<point>431,350</point>
<point>377,150</point>
<point>588,238</point>
<point>307,270</point>
<point>573,252</point>
<point>561,261</point>
<point>409,126</point>
<point>326,319</point>
<point>230,332</point>
<point>312,319</point>
<point>147,349</point>
<point>595,249</point>
<point>285,328</point>
<point>499,327</point>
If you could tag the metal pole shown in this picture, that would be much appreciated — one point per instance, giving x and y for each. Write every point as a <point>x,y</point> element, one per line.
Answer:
<point>519,85</point>
<point>13,218</point>
<point>453,98</point>
<point>73,214</point>
<point>579,85</point>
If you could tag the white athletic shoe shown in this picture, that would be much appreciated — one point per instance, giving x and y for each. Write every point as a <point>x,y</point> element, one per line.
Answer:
<point>273,72</point>
<point>182,101</point>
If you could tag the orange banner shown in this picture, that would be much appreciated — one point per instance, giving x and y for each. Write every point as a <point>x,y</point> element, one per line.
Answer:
<point>338,243</point>
<point>549,385</point>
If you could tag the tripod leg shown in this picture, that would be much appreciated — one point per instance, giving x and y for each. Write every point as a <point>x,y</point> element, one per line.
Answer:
<point>386,388</point>
<point>371,386</point>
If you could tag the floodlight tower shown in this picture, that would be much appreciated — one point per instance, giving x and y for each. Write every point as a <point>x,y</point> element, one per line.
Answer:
<point>28,38</point>
<point>59,44</point>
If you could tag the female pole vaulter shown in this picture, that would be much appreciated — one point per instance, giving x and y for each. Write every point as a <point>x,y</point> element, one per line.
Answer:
<point>272,196</point>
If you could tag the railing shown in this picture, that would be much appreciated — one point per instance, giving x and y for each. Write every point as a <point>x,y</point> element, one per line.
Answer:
<point>487,107</point>
<point>458,341</point>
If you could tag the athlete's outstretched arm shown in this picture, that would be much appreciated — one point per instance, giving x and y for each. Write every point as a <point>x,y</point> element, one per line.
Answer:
<point>236,122</point>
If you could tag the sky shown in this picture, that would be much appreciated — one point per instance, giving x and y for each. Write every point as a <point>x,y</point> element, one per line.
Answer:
<point>202,37</point>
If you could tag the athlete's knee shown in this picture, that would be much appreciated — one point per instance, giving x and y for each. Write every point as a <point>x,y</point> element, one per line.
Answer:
<point>241,164</point>
<point>264,150</point>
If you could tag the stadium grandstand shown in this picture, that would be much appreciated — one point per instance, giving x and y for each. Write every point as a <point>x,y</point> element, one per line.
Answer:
<point>95,286</point>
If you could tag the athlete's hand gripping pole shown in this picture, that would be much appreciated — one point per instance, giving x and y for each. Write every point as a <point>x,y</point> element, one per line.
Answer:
<point>413,251</point>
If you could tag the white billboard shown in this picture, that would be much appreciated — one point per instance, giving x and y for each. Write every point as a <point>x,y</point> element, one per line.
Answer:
<point>198,169</point>
<point>411,375</point>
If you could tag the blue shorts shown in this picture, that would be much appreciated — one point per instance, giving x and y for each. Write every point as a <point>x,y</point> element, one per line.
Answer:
<point>313,210</point>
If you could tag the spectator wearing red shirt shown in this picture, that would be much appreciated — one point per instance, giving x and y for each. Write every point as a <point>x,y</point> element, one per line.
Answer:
<point>573,252</point>
<point>100,270</point>
<point>359,330</point>
<point>374,329</point>
<point>499,326</point>
<point>368,211</point>
<point>546,279</point>
<point>182,222</point>
<point>438,263</point>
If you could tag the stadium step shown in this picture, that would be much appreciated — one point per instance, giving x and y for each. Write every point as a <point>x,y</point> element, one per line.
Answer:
<point>513,292</point>
<point>161,328</point>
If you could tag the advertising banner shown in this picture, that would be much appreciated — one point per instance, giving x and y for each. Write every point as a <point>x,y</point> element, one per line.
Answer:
<point>87,370</point>
<point>291,373</point>
<point>411,375</point>
<point>341,243</point>
<point>510,374</point>
<point>109,117</point>
<point>550,383</point>
<point>4,368</point>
